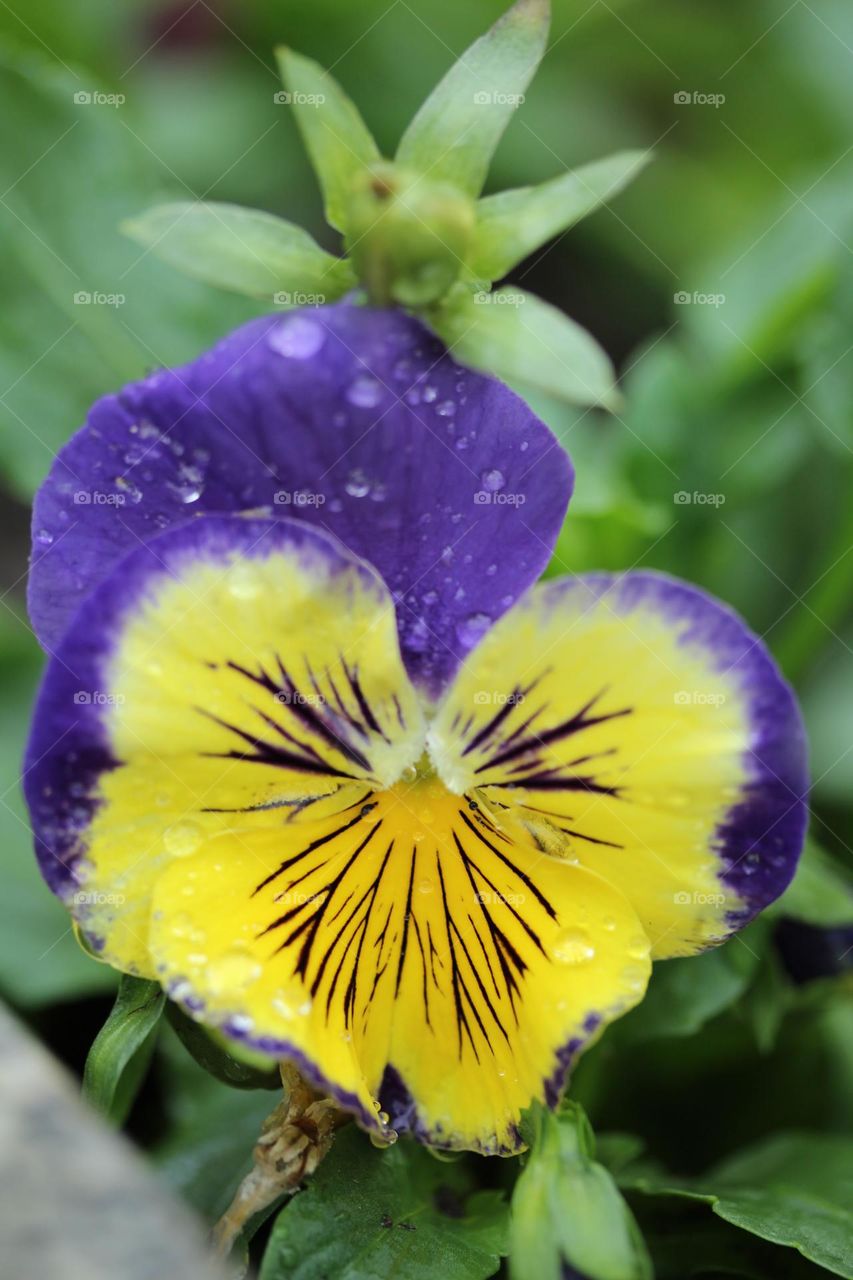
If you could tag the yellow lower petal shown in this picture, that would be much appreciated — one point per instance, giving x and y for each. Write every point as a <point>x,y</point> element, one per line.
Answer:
<point>411,953</point>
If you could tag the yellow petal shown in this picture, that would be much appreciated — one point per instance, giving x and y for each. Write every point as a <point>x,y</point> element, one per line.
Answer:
<point>409,955</point>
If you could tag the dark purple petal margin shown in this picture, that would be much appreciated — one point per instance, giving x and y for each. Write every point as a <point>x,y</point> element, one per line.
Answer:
<point>761,838</point>
<point>69,748</point>
<point>353,419</point>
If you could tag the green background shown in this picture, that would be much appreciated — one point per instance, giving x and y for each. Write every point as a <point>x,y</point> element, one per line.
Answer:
<point>740,398</point>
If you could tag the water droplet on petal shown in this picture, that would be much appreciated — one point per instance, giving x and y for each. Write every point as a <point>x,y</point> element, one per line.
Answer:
<point>298,338</point>
<point>473,628</point>
<point>182,839</point>
<point>365,392</point>
<point>357,484</point>
<point>44,537</point>
<point>493,481</point>
<point>242,583</point>
<point>446,409</point>
<point>418,636</point>
<point>573,946</point>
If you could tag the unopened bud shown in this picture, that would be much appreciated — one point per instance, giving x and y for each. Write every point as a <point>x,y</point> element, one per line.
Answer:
<point>407,236</point>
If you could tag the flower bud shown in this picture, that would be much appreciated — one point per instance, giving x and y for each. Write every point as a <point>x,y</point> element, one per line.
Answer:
<point>407,236</point>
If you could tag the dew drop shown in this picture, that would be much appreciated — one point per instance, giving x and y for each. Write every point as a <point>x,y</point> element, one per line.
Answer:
<point>357,484</point>
<point>44,537</point>
<point>446,409</point>
<point>182,839</point>
<point>365,392</point>
<point>425,886</point>
<point>298,338</point>
<point>492,481</point>
<point>638,947</point>
<point>473,628</point>
<point>243,584</point>
<point>573,946</point>
<point>417,636</point>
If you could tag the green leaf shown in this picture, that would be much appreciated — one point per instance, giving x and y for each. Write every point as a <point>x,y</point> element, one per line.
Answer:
<point>793,1189</point>
<point>511,224</point>
<point>210,1130</point>
<point>369,1213</point>
<point>518,337</point>
<point>766,1001</point>
<point>454,134</point>
<point>243,250</point>
<point>820,893</point>
<point>211,1051</point>
<point>84,309</point>
<point>336,138</point>
<point>567,1213</point>
<point>119,1056</point>
<point>683,995</point>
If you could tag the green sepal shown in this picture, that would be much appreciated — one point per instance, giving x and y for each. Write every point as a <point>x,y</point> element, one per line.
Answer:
<point>243,250</point>
<point>121,1051</point>
<point>240,1068</point>
<point>512,224</point>
<point>568,1216</point>
<point>454,134</point>
<point>520,338</point>
<point>336,138</point>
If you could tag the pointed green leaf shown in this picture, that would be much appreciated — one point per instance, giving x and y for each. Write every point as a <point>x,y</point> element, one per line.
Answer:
<point>512,224</point>
<point>568,1216</point>
<point>518,337</point>
<point>336,138</point>
<point>243,250</point>
<point>121,1050</point>
<point>454,135</point>
<point>791,1188</point>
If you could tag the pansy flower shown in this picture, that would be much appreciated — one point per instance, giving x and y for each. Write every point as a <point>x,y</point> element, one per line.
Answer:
<point>314,751</point>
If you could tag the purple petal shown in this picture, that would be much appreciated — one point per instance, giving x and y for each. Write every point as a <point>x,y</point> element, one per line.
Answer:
<point>353,419</point>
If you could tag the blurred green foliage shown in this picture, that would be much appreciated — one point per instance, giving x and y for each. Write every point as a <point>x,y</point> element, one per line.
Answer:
<point>722,284</point>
